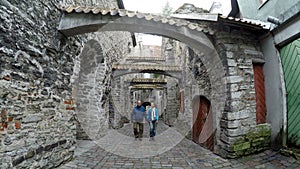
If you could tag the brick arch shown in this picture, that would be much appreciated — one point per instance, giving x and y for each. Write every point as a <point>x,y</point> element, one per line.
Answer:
<point>81,20</point>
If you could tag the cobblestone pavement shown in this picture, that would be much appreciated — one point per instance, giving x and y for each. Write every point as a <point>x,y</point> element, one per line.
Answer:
<point>185,155</point>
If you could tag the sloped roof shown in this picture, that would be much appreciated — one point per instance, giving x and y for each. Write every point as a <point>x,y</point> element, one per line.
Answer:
<point>177,19</point>
<point>147,16</point>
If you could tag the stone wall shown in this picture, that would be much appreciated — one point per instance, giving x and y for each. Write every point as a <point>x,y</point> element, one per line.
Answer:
<point>173,104</point>
<point>92,80</point>
<point>36,65</point>
<point>38,124</point>
<point>257,139</point>
<point>239,50</point>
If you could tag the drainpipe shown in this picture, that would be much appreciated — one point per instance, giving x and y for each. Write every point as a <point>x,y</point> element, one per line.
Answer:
<point>235,10</point>
<point>121,6</point>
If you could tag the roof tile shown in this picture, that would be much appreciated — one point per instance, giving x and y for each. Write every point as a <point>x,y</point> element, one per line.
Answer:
<point>158,18</point>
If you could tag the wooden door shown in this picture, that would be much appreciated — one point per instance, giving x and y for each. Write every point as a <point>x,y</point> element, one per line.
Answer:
<point>290,58</point>
<point>202,131</point>
<point>259,93</point>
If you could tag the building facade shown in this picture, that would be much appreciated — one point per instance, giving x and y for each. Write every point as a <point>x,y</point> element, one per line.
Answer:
<point>281,51</point>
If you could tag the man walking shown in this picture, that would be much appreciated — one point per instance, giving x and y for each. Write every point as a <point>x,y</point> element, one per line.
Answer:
<point>137,118</point>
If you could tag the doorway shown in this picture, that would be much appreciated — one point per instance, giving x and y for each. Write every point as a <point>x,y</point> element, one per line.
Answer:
<point>202,130</point>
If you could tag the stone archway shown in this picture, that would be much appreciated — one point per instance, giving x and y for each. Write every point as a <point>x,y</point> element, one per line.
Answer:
<point>81,20</point>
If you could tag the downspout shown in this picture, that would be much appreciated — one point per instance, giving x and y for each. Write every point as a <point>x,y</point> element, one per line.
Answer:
<point>121,6</point>
<point>235,10</point>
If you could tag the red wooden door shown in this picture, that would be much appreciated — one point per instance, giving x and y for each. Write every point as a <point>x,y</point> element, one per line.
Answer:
<point>202,126</point>
<point>259,93</point>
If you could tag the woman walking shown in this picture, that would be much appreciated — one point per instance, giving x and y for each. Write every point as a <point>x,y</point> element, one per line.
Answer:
<point>152,117</point>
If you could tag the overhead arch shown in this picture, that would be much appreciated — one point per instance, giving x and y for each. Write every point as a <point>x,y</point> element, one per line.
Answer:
<point>79,20</point>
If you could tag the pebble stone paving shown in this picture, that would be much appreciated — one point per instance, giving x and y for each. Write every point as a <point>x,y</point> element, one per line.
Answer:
<point>185,155</point>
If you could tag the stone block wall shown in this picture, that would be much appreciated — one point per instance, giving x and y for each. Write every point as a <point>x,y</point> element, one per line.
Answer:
<point>173,104</point>
<point>37,105</point>
<point>92,78</point>
<point>36,64</point>
<point>257,139</point>
<point>238,50</point>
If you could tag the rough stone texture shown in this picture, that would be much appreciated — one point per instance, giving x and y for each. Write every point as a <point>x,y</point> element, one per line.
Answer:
<point>36,65</point>
<point>36,84</point>
<point>238,48</point>
<point>256,140</point>
<point>193,82</point>
<point>92,80</point>
<point>121,101</point>
<point>172,107</point>
<point>124,99</point>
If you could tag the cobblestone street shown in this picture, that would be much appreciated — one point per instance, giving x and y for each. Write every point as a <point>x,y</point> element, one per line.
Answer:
<point>186,154</point>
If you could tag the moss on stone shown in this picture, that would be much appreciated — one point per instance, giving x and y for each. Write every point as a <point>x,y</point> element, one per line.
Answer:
<point>255,140</point>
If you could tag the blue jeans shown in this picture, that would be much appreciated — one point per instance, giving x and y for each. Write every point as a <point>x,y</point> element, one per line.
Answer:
<point>152,128</point>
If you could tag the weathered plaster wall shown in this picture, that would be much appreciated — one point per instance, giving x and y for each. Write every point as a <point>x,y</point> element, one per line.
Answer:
<point>274,91</point>
<point>276,8</point>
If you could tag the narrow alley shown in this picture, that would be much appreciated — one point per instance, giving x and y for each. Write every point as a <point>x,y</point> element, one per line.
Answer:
<point>78,78</point>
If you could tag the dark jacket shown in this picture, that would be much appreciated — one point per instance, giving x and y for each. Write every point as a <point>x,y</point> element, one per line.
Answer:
<point>138,114</point>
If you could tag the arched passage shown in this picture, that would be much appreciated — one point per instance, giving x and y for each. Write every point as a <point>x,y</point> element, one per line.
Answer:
<point>85,20</point>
